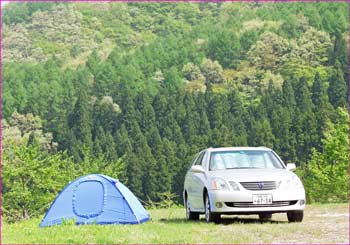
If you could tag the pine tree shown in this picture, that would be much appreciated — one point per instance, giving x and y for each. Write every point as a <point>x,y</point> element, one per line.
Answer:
<point>261,134</point>
<point>322,107</point>
<point>217,109</point>
<point>319,95</point>
<point>204,131</point>
<point>99,139</point>
<point>303,96</point>
<point>337,89</point>
<point>288,95</point>
<point>146,112</point>
<point>289,105</point>
<point>236,119</point>
<point>106,78</point>
<point>109,148</point>
<point>304,122</point>
<point>162,179</point>
<point>281,125</point>
<point>145,161</point>
<point>189,124</point>
<point>161,111</point>
<point>169,151</point>
<point>339,52</point>
<point>80,123</point>
<point>134,172</point>
<point>121,139</point>
<point>127,104</point>
<point>93,62</point>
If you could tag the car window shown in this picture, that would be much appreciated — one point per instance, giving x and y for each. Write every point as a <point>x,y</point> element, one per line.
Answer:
<point>195,159</point>
<point>199,159</point>
<point>204,159</point>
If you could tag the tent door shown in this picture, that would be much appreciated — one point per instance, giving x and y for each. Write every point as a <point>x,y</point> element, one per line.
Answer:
<point>88,198</point>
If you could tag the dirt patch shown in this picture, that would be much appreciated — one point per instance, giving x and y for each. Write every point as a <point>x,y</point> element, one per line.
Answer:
<point>321,224</point>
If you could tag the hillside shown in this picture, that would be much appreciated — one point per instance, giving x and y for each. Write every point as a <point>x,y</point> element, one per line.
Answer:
<point>229,45</point>
<point>134,90</point>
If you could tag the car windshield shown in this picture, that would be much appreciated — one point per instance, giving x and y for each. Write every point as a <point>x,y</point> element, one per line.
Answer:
<point>244,160</point>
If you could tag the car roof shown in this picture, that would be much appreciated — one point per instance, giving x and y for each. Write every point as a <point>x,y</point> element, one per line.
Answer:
<point>261,148</point>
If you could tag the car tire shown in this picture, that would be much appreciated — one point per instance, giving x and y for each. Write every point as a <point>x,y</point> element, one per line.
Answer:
<point>209,215</point>
<point>295,216</point>
<point>265,217</point>
<point>189,214</point>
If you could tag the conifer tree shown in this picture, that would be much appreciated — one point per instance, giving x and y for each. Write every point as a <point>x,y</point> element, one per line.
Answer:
<point>162,175</point>
<point>80,123</point>
<point>288,95</point>
<point>146,112</point>
<point>305,122</point>
<point>261,134</point>
<point>93,62</point>
<point>322,107</point>
<point>145,162</point>
<point>337,89</point>
<point>236,119</point>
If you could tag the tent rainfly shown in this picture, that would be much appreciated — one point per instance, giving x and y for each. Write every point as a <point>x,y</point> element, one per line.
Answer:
<point>96,199</point>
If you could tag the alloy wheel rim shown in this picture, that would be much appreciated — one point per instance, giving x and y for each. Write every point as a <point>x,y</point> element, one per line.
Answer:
<point>187,209</point>
<point>207,208</point>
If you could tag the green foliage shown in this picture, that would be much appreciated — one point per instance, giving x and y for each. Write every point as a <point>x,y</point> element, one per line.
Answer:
<point>212,71</point>
<point>30,167</point>
<point>312,47</point>
<point>325,175</point>
<point>20,129</point>
<point>22,12</point>
<point>167,202</point>
<point>269,50</point>
<point>92,164</point>
<point>133,90</point>
<point>224,46</point>
<point>31,181</point>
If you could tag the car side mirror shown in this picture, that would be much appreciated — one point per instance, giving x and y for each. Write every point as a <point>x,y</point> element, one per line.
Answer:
<point>291,166</point>
<point>197,169</point>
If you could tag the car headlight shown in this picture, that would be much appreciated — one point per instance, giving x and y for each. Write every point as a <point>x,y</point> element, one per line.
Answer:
<point>219,184</point>
<point>234,186</point>
<point>294,182</point>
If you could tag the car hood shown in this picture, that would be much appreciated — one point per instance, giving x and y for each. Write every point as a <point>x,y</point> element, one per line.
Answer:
<point>250,175</point>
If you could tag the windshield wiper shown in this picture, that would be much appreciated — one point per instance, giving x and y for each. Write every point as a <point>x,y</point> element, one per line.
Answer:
<point>243,168</point>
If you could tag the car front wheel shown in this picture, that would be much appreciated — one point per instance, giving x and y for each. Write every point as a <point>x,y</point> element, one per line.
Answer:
<point>189,214</point>
<point>210,216</point>
<point>295,216</point>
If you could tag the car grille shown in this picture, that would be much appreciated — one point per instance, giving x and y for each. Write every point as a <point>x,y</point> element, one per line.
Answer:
<point>260,186</point>
<point>251,205</point>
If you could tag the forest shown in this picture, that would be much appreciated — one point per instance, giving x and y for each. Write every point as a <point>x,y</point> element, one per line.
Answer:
<point>135,90</point>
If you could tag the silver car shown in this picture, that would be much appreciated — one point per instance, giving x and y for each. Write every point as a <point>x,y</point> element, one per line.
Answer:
<point>242,180</point>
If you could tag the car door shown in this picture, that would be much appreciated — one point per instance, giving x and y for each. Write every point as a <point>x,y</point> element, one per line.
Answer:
<point>198,184</point>
<point>188,186</point>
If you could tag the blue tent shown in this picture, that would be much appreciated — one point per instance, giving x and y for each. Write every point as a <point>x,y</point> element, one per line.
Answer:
<point>96,199</point>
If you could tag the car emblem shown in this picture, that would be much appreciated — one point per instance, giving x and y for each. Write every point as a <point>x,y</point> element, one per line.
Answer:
<point>261,185</point>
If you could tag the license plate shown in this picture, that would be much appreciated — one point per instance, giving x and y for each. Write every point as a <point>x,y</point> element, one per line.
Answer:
<point>262,199</point>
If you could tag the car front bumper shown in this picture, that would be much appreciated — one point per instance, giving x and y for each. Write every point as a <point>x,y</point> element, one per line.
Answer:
<point>241,202</point>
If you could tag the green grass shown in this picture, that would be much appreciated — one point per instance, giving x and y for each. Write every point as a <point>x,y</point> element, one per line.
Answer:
<point>327,223</point>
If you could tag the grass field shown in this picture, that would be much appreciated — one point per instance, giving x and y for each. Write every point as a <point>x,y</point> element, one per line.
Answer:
<point>322,224</point>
